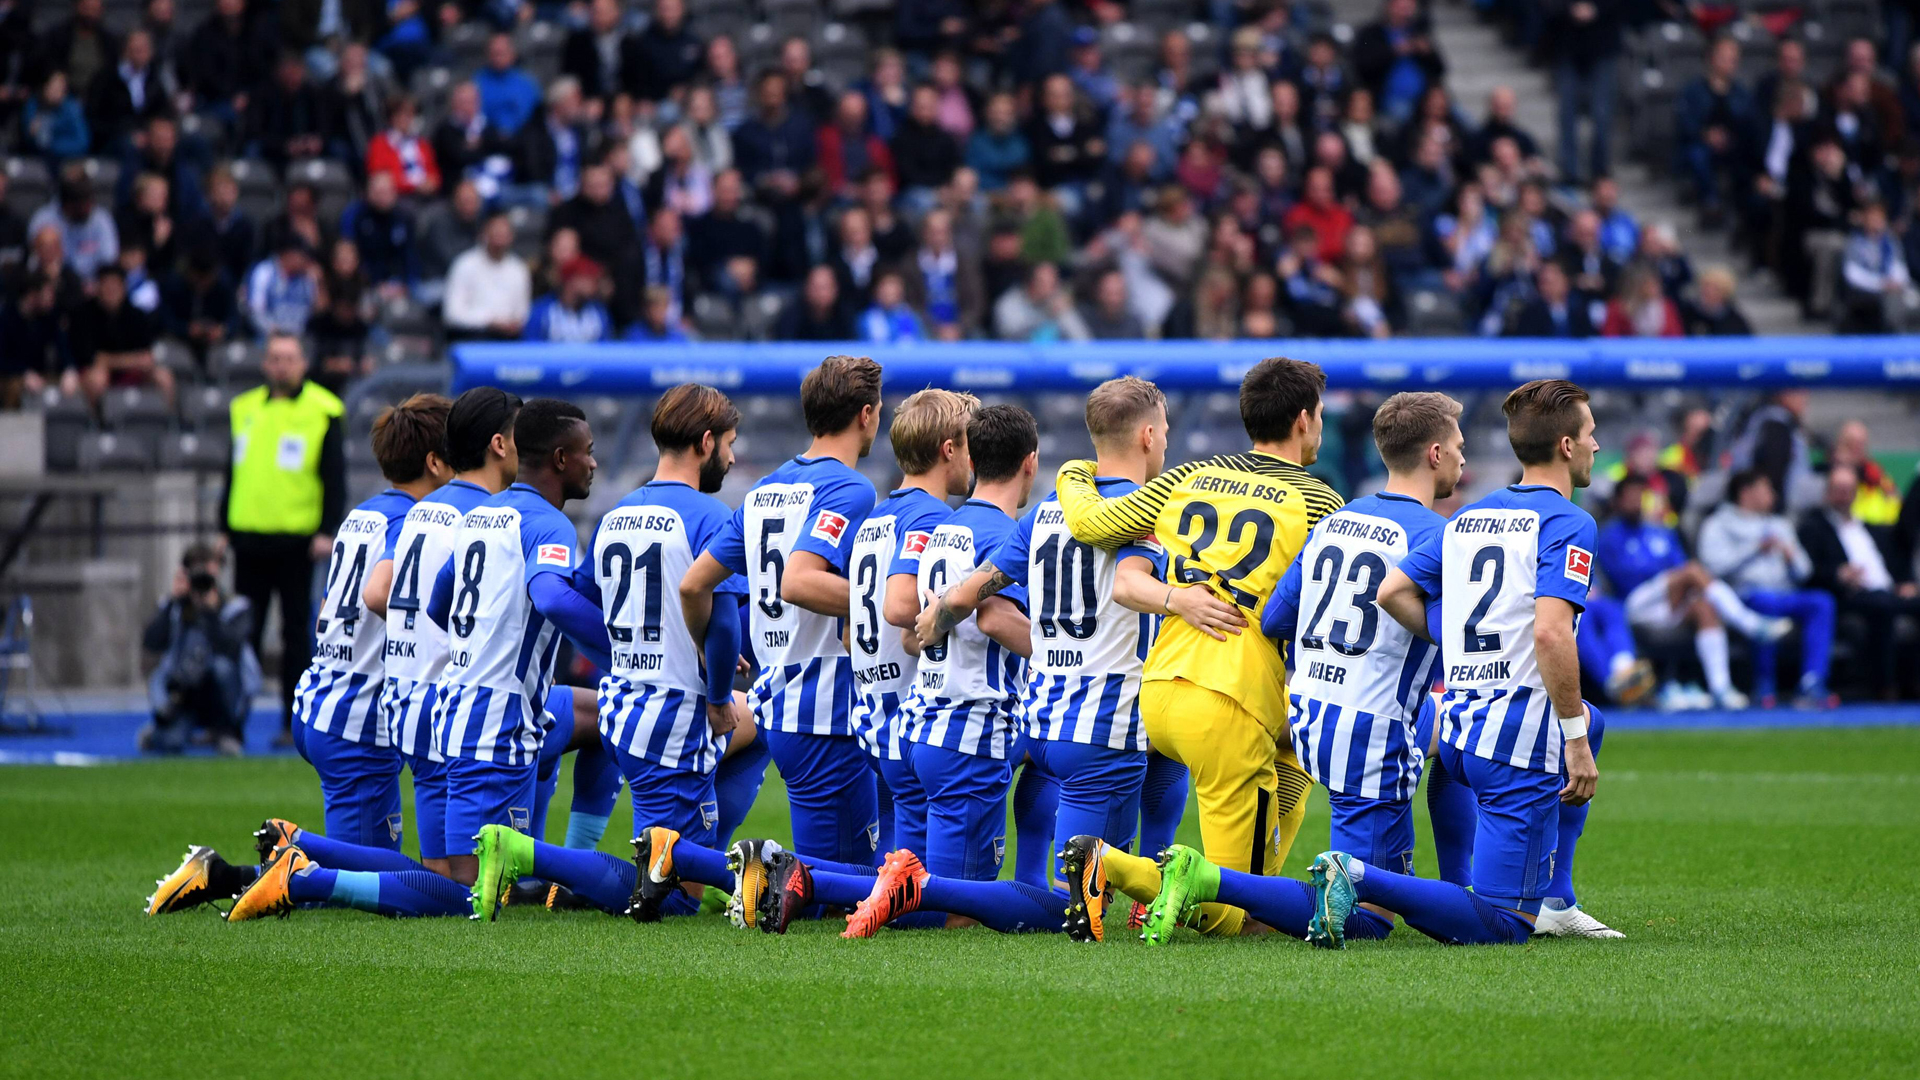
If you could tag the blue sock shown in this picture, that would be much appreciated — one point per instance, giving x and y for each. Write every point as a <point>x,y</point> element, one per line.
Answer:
<point>314,885</point>
<point>736,785</point>
<point>1364,925</point>
<point>422,892</point>
<point>832,888</point>
<point>1036,802</point>
<point>599,877</point>
<point>340,855</point>
<point>701,865</point>
<point>1451,810</point>
<point>884,799</point>
<point>1011,907</point>
<point>1286,904</point>
<point>1573,822</point>
<point>1163,800</point>
<point>1442,911</point>
<point>596,787</point>
<point>543,788</point>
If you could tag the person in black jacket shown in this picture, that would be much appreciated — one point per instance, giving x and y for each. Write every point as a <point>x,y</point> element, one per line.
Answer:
<point>226,58</point>
<point>607,236</point>
<point>202,671</point>
<point>723,234</point>
<point>1397,59</point>
<point>594,53</point>
<point>554,147</point>
<point>924,153</point>
<point>197,302</point>
<point>287,119</point>
<point>659,61</point>
<point>1558,311</point>
<point>1715,314</point>
<point>123,97</point>
<point>818,314</point>
<point>81,46</point>
<point>1069,146</point>
<point>463,139</point>
<point>1853,563</point>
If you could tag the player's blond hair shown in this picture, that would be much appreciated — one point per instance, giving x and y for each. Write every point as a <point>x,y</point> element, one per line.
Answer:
<point>924,422</point>
<point>1118,406</point>
<point>1406,424</point>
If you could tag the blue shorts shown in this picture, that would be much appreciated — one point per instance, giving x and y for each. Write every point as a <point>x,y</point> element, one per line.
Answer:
<point>1516,829</point>
<point>359,786</point>
<point>909,800</point>
<point>673,798</point>
<point>966,812</point>
<point>830,793</point>
<point>486,793</point>
<point>429,804</point>
<point>1378,832</point>
<point>1099,788</point>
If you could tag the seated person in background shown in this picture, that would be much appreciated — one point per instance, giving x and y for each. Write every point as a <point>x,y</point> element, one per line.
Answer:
<point>1558,311</point>
<point>1641,308</point>
<point>1850,562</point>
<point>1754,549</point>
<point>1040,310</point>
<point>489,288</point>
<point>657,322</point>
<point>1664,590</point>
<point>197,302</point>
<point>891,320</point>
<point>202,673</point>
<point>1714,314</point>
<point>1877,290</point>
<point>575,314</point>
<point>113,341</point>
<point>818,314</point>
<point>1878,502</point>
<point>33,342</point>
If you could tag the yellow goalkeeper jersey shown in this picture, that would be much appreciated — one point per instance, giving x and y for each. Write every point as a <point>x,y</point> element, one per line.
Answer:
<point>1234,523</point>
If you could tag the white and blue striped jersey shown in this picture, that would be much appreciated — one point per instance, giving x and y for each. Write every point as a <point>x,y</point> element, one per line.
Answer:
<point>490,703</point>
<point>889,542</point>
<point>339,693</point>
<point>967,688</point>
<point>653,704</point>
<point>1487,567</point>
<point>1088,652</point>
<point>805,684</point>
<point>1358,678</point>
<point>416,645</point>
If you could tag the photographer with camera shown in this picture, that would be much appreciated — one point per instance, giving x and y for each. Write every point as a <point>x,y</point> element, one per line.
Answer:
<point>202,673</point>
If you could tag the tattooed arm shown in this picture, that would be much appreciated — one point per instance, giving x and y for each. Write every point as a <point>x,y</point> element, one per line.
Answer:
<point>943,613</point>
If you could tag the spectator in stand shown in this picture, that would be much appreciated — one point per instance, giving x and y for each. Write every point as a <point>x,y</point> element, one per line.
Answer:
<point>1396,58</point>
<point>159,153</point>
<point>1692,449</point>
<point>112,341</point>
<point>943,281</point>
<point>1855,564</point>
<point>1111,318</point>
<point>1068,143</point>
<point>1641,309</point>
<point>1823,188</point>
<point>1584,257</point>
<point>575,315</point>
<point>1088,70</point>
<point>1714,115</point>
<point>712,140</point>
<point>809,87</point>
<point>892,236</point>
<point>1862,89</point>
<point>1349,176</point>
<point>1368,302</point>
<point>1789,69</point>
<point>656,324</point>
<point>1879,293</point>
<point>663,261</point>
<point>1502,108</point>
<point>607,235</point>
<point>299,218</point>
<point>508,95</point>
<point>34,351</point>
<point>1323,81</point>
<point>1039,311</point>
<point>1429,178</point>
<point>489,289</point>
<point>227,56</point>
<point>1774,442</point>
<point>557,143</point>
<point>818,314</point>
<point>724,234</point>
<point>954,102</point>
<point>1321,211</point>
<point>447,229</point>
<point>661,60</point>
<point>683,182</point>
<point>886,92</point>
<point>1664,591</point>
<point>225,230</point>
<point>1242,94</point>
<point>1312,285</point>
<point>1754,549</point>
<point>82,46</point>
<point>1714,313</point>
<point>399,151</point>
<point>1175,237</point>
<point>1619,232</point>
<point>594,53</point>
<point>283,289</point>
<point>1878,501</point>
<point>1465,237</point>
<point>338,327</point>
<point>731,96</point>
<point>846,147</point>
<point>47,261</point>
<point>54,124</point>
<point>890,320</point>
<point>382,231</point>
<point>1557,311</point>
<point>356,103</point>
<point>1137,119</point>
<point>998,150</point>
<point>122,99</point>
<point>1041,48</point>
<point>776,145</point>
<point>855,257</point>
<point>1660,253</point>
<point>463,141</point>
<point>88,237</point>
<point>287,118</point>
<point>1585,37</point>
<point>925,151</point>
<point>197,303</point>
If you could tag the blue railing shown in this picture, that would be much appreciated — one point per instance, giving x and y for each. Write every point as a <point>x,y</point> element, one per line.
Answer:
<point>1429,363</point>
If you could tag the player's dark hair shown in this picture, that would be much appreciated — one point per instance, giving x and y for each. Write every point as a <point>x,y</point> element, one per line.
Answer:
<point>1118,407</point>
<point>1539,415</point>
<point>999,438</point>
<point>1275,393</point>
<point>404,434</point>
<point>543,424</point>
<point>1406,424</point>
<point>833,394</point>
<point>687,412</point>
<point>477,416</point>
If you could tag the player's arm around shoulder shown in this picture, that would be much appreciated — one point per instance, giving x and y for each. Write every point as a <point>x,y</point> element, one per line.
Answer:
<point>1110,522</point>
<point>1002,620</point>
<point>942,613</point>
<point>1137,588</point>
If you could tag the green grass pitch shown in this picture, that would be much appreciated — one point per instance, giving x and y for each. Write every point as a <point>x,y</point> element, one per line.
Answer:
<point>1766,881</point>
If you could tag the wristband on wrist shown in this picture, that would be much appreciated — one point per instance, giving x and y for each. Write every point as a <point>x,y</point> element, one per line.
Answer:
<point>1166,603</point>
<point>1574,727</point>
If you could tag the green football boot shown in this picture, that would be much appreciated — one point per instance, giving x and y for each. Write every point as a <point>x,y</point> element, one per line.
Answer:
<point>1187,880</point>
<point>1334,898</point>
<point>504,855</point>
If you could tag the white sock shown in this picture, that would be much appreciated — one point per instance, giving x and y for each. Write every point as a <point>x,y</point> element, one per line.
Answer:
<point>1622,664</point>
<point>1734,610</point>
<point>1711,644</point>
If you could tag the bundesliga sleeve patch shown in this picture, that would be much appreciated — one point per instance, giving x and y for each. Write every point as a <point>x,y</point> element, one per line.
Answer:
<point>1579,565</point>
<point>916,543</point>
<point>554,555</point>
<point>829,526</point>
